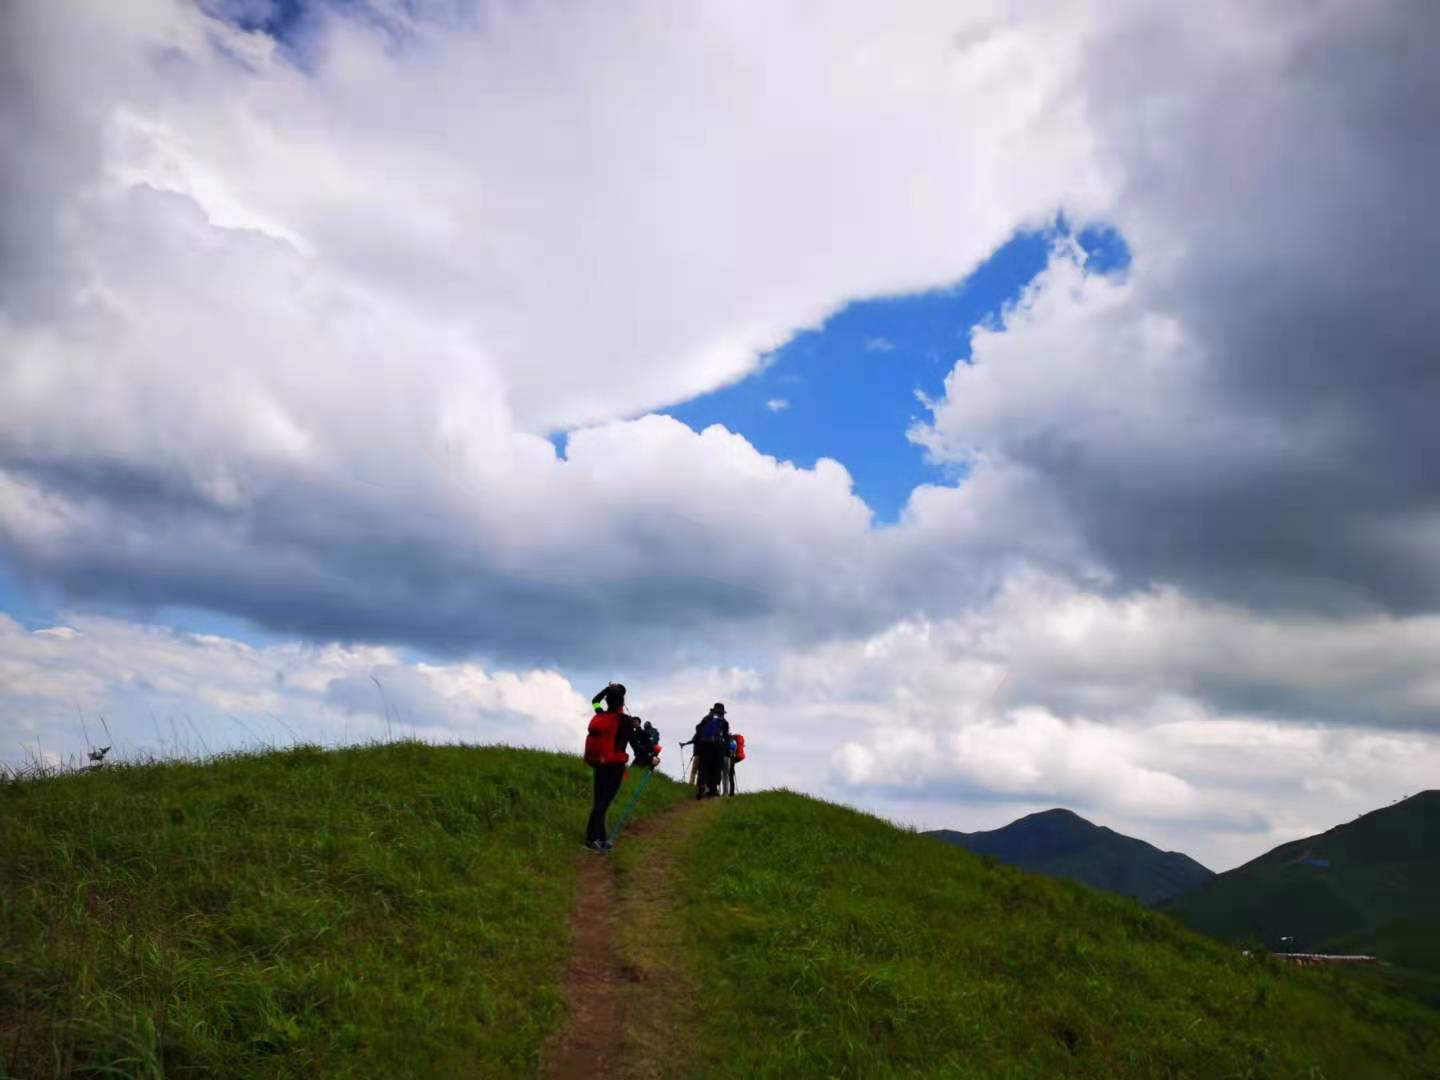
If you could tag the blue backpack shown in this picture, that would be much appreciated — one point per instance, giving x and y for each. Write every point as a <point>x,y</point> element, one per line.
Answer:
<point>710,730</point>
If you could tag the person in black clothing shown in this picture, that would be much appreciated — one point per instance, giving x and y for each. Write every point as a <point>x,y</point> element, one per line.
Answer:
<point>712,738</point>
<point>610,768</point>
<point>608,779</point>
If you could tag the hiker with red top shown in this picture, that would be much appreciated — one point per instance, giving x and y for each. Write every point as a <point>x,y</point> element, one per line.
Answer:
<point>611,731</point>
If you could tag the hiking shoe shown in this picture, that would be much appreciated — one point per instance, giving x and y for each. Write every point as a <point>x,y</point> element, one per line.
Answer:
<point>606,844</point>
<point>595,847</point>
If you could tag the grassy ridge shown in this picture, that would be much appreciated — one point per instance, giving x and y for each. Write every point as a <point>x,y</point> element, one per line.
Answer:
<point>829,943</point>
<point>1375,893</point>
<point>388,911</point>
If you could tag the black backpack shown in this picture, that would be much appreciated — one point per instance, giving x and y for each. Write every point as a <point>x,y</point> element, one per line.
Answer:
<point>646,744</point>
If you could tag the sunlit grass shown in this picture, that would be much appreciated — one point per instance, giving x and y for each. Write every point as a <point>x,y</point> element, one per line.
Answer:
<point>829,943</point>
<point>384,911</point>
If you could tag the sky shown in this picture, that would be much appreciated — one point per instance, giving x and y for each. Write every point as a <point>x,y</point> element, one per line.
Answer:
<point>852,388</point>
<point>999,406</point>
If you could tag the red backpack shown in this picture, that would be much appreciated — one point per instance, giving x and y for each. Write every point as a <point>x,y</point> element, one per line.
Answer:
<point>739,747</point>
<point>601,739</point>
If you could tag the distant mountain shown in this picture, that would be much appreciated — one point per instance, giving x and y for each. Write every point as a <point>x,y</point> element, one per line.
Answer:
<point>1063,844</point>
<point>1371,886</point>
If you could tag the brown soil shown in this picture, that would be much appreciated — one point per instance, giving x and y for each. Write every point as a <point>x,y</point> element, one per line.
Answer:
<point>590,1042</point>
<point>661,993</point>
<point>626,958</point>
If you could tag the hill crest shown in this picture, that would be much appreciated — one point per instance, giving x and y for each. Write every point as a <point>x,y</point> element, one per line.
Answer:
<point>1061,843</point>
<point>220,918</point>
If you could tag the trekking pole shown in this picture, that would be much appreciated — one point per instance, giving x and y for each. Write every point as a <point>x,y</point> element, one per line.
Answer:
<point>620,823</point>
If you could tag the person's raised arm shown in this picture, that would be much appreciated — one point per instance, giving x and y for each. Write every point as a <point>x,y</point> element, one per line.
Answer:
<point>613,696</point>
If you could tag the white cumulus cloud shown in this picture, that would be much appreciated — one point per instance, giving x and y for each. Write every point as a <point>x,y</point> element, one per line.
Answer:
<point>286,329</point>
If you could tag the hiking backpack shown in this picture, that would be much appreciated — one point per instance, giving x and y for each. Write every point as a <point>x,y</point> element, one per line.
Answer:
<point>646,743</point>
<point>739,741</point>
<point>710,730</point>
<point>601,741</point>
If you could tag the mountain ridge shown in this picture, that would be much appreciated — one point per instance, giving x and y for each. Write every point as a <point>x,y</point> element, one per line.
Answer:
<point>1364,886</point>
<point>1061,843</point>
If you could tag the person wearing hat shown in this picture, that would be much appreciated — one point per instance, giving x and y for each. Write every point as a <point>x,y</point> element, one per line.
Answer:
<point>712,738</point>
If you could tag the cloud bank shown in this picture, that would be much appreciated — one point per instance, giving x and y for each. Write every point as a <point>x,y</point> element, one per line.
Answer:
<point>287,327</point>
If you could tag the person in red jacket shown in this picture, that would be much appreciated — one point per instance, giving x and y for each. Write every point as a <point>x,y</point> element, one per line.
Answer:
<point>611,731</point>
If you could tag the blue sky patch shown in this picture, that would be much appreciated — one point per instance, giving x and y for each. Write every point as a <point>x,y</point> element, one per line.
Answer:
<point>293,23</point>
<point>278,18</point>
<point>23,603</point>
<point>848,390</point>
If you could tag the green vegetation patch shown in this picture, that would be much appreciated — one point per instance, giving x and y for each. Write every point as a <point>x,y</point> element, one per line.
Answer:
<point>395,910</point>
<point>829,943</point>
<point>1367,886</point>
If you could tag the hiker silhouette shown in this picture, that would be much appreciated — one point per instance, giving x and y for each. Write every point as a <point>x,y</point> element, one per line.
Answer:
<point>711,742</point>
<point>612,730</point>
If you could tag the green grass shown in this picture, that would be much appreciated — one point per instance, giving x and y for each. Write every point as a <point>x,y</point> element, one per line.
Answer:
<point>400,911</point>
<point>1376,896</point>
<point>395,910</point>
<point>1411,983</point>
<point>829,943</point>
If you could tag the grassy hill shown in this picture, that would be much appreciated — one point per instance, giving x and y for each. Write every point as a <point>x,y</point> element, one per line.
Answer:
<point>389,911</point>
<point>402,911</point>
<point>829,943</point>
<point>1371,885</point>
<point>1063,844</point>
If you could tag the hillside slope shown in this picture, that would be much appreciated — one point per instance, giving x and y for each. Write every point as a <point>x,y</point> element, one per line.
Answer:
<point>830,943</point>
<point>402,911</point>
<point>397,910</point>
<point>1371,885</point>
<point>1063,844</point>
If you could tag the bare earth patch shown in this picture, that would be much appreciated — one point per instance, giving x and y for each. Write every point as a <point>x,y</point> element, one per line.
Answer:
<point>588,1045</point>
<point>626,988</point>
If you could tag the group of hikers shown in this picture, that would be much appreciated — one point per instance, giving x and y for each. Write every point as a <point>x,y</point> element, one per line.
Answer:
<point>614,733</point>
<point>717,752</point>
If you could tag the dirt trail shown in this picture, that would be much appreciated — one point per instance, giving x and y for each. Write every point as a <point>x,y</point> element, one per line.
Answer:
<point>626,958</point>
<point>588,1046</point>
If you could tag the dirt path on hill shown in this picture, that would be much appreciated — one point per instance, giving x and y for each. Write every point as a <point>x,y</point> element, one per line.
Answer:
<point>588,1045</point>
<point>626,964</point>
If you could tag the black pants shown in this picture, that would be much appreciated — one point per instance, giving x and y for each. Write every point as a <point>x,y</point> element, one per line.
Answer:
<point>712,761</point>
<point>608,779</point>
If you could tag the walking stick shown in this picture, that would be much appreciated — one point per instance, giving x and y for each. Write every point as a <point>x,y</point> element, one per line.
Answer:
<point>684,775</point>
<point>620,823</point>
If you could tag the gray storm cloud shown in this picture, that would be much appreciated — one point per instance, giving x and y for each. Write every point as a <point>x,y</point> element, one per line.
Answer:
<point>1251,416</point>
